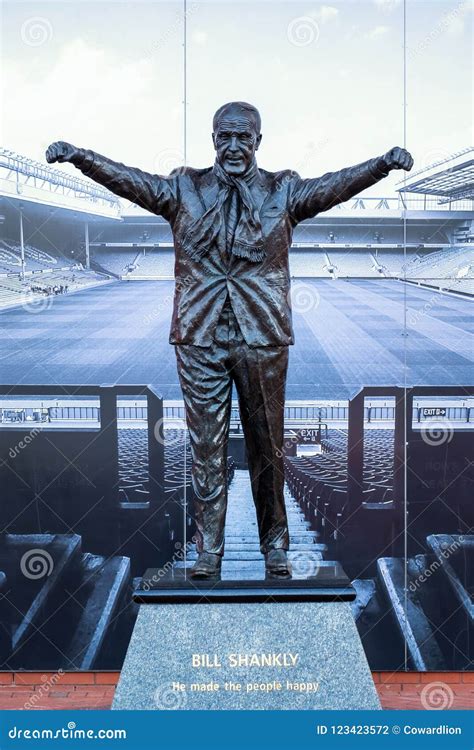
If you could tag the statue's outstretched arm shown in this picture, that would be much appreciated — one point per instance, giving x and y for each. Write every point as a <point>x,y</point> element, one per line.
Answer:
<point>308,197</point>
<point>155,193</point>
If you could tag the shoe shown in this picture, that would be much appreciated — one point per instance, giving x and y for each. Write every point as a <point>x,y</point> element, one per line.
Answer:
<point>277,564</point>
<point>208,565</point>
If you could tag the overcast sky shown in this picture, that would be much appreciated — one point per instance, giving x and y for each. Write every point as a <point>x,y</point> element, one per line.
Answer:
<point>327,78</point>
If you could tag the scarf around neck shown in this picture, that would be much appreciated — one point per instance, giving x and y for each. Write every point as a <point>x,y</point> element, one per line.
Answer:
<point>248,238</point>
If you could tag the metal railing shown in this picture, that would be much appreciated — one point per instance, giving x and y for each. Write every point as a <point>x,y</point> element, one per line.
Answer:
<point>27,171</point>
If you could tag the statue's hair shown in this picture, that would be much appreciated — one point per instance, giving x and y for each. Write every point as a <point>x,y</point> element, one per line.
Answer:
<point>243,107</point>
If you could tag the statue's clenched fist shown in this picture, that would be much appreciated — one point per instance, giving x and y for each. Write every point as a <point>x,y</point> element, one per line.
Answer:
<point>398,158</point>
<point>61,151</point>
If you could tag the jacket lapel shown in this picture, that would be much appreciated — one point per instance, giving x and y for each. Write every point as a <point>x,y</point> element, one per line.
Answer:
<point>208,189</point>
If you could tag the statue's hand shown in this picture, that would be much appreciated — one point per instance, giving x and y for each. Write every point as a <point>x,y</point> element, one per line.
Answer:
<point>61,151</point>
<point>398,158</point>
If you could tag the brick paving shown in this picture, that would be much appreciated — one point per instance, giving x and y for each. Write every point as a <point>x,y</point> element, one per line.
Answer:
<point>95,690</point>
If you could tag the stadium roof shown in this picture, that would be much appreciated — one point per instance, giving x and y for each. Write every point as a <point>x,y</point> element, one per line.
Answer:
<point>455,181</point>
<point>24,179</point>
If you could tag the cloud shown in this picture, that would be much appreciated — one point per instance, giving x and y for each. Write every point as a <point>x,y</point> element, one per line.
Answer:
<point>377,32</point>
<point>387,5</point>
<point>88,96</point>
<point>455,20</point>
<point>325,13</point>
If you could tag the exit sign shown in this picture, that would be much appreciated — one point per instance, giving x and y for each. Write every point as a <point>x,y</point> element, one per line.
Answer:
<point>434,411</point>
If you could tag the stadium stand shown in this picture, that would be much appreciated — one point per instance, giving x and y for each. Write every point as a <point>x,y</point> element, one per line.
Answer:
<point>352,263</point>
<point>117,262</point>
<point>153,264</point>
<point>392,262</point>
<point>38,287</point>
<point>319,483</point>
<point>452,266</point>
<point>308,263</point>
<point>43,274</point>
<point>132,264</point>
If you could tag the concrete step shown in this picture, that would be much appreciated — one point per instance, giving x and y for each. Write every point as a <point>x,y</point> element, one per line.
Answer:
<point>242,555</point>
<point>103,593</point>
<point>414,627</point>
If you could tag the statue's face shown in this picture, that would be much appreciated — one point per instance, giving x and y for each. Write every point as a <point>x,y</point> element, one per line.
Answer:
<point>235,141</point>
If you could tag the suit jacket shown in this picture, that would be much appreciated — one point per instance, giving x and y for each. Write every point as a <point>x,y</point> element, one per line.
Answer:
<point>259,292</point>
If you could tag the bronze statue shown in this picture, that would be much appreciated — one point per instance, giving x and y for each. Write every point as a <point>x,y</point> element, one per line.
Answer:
<point>232,225</point>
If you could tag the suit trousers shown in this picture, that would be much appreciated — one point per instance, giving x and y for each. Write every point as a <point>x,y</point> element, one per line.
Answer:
<point>206,376</point>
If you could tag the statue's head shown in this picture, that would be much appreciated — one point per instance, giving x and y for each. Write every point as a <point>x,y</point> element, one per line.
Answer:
<point>236,136</point>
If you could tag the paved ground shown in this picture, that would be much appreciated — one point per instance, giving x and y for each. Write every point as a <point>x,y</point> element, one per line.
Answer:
<point>348,333</point>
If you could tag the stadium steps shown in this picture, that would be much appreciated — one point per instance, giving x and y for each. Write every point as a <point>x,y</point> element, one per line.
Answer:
<point>63,608</point>
<point>103,593</point>
<point>242,550</point>
<point>454,557</point>
<point>98,268</point>
<point>38,568</point>
<point>381,639</point>
<point>449,594</point>
<point>412,623</point>
<point>439,589</point>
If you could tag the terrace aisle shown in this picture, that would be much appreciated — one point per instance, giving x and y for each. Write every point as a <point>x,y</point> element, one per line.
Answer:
<point>242,550</point>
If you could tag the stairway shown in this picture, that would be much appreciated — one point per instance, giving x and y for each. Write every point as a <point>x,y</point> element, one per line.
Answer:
<point>242,549</point>
<point>62,607</point>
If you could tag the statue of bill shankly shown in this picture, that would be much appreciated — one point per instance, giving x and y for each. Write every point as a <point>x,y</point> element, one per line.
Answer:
<point>232,225</point>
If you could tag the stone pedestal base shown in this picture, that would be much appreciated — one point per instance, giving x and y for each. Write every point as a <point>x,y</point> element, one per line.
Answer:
<point>246,645</point>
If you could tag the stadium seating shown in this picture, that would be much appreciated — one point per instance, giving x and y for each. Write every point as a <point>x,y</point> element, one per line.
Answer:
<point>42,272</point>
<point>116,261</point>
<point>14,291</point>
<point>308,263</point>
<point>352,262</point>
<point>35,259</point>
<point>393,262</point>
<point>154,264</point>
<point>450,268</point>
<point>451,264</point>
<point>319,483</point>
<point>134,482</point>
